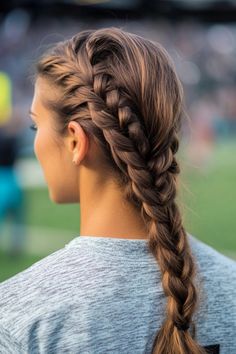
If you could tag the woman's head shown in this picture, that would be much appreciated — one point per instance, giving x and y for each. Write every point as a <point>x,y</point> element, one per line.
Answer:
<point>103,81</point>
<point>111,101</point>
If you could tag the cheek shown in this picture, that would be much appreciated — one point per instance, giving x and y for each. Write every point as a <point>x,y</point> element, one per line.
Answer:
<point>46,152</point>
<point>39,146</point>
<point>57,167</point>
<point>42,147</point>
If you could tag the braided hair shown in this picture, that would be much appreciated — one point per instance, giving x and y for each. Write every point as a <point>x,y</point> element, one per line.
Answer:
<point>124,92</point>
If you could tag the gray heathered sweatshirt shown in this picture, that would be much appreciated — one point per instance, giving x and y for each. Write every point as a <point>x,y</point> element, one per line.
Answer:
<point>102,295</point>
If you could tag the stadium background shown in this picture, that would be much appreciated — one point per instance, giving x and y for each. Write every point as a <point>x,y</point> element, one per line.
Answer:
<point>200,36</point>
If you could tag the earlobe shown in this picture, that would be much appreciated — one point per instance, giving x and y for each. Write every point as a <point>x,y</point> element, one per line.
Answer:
<point>74,161</point>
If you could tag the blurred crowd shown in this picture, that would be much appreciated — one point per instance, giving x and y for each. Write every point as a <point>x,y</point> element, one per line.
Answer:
<point>204,55</point>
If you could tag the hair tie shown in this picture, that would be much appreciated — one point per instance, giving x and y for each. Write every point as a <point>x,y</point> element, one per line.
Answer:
<point>182,327</point>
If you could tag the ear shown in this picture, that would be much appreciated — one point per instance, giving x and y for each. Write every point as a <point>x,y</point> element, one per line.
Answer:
<point>77,141</point>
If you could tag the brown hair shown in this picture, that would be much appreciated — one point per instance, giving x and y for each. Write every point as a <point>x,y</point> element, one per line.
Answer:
<point>124,92</point>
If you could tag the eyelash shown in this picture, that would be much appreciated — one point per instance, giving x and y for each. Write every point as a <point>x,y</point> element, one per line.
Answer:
<point>33,127</point>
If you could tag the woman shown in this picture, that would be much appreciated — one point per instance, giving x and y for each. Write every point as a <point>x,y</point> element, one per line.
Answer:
<point>107,107</point>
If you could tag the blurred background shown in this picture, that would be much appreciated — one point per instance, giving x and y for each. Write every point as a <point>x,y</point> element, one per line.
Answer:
<point>200,36</point>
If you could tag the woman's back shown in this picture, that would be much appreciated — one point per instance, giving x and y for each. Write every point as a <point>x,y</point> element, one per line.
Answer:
<point>104,295</point>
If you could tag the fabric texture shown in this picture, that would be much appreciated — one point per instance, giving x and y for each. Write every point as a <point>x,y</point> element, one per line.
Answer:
<point>104,295</point>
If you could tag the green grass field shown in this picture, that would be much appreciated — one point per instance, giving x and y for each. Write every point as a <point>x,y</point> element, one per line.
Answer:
<point>210,204</point>
<point>207,199</point>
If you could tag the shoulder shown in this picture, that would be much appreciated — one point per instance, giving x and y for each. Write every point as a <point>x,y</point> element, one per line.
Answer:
<point>216,274</point>
<point>40,298</point>
<point>26,294</point>
<point>26,291</point>
<point>31,296</point>
<point>216,270</point>
<point>208,258</point>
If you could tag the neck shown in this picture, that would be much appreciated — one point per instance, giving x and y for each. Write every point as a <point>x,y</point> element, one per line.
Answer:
<point>104,213</point>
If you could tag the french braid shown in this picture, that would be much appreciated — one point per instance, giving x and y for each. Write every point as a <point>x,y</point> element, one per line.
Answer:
<point>124,92</point>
